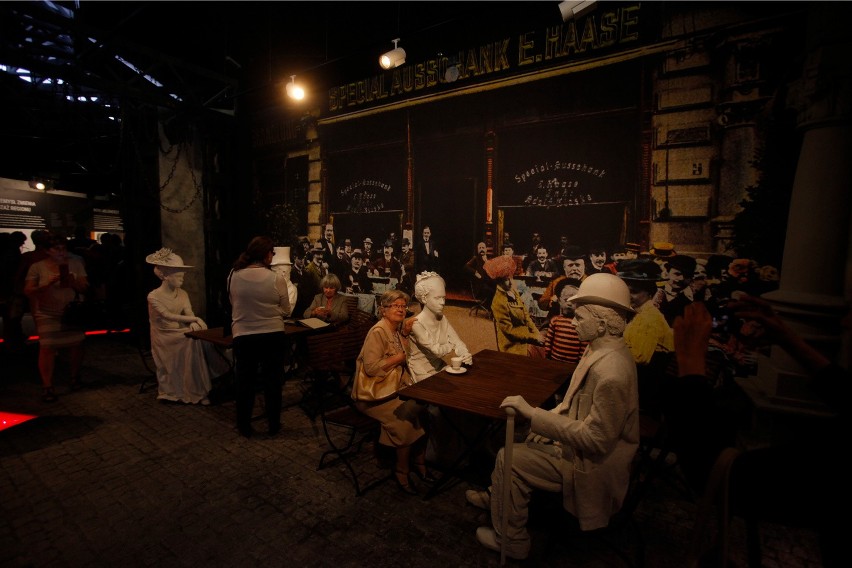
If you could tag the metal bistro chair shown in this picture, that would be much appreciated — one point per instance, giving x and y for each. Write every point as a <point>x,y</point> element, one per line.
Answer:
<point>346,429</point>
<point>479,300</point>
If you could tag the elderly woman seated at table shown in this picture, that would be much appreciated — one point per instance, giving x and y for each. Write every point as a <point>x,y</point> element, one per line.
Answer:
<point>329,305</point>
<point>185,367</point>
<point>380,373</point>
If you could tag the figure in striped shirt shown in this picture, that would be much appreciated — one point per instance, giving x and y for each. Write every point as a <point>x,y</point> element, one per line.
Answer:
<point>561,342</point>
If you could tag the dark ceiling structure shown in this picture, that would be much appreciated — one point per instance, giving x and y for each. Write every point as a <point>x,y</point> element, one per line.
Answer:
<point>68,68</point>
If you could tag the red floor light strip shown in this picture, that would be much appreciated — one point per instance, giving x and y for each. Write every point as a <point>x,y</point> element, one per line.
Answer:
<point>95,332</point>
<point>8,419</point>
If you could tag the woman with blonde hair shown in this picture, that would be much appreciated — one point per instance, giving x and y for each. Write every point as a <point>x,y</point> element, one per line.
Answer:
<point>380,373</point>
<point>329,305</point>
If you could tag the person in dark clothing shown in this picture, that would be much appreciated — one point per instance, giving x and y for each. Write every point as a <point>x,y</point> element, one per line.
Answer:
<point>800,482</point>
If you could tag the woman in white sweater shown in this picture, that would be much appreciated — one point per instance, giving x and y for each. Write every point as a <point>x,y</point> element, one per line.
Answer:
<point>259,304</point>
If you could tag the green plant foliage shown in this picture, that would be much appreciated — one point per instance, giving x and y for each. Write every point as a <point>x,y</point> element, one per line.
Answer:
<point>760,229</point>
<point>280,223</point>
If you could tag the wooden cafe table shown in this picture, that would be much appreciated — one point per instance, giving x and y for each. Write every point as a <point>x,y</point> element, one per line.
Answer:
<point>492,377</point>
<point>222,342</point>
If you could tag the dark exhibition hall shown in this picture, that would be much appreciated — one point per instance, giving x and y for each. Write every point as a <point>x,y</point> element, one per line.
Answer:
<point>344,283</point>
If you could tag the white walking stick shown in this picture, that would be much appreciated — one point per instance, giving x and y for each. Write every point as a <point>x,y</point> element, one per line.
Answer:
<point>507,480</point>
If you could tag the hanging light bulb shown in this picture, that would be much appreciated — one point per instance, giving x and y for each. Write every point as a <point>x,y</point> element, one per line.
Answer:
<point>295,91</point>
<point>393,58</point>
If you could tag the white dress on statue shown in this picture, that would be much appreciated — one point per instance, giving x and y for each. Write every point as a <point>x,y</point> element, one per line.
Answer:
<point>185,366</point>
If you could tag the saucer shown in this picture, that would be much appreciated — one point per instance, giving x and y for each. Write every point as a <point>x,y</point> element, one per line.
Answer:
<point>461,370</point>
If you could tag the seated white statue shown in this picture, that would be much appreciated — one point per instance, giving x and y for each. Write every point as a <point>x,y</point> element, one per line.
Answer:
<point>432,336</point>
<point>185,366</point>
<point>432,342</point>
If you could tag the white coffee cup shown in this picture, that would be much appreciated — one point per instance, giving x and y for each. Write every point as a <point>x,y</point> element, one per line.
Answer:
<point>456,363</point>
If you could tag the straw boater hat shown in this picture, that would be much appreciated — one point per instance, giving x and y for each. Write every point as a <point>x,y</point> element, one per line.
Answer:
<point>282,256</point>
<point>165,257</point>
<point>663,250</point>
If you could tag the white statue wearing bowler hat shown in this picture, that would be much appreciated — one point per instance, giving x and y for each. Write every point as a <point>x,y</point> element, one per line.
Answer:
<point>185,367</point>
<point>583,448</point>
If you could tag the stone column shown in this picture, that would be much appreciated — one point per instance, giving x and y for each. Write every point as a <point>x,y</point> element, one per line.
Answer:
<point>814,290</point>
<point>182,211</point>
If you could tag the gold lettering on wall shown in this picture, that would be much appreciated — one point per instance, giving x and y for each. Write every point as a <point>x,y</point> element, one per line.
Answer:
<point>607,28</point>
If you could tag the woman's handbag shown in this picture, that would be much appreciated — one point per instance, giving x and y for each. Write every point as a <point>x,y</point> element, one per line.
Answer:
<point>369,388</point>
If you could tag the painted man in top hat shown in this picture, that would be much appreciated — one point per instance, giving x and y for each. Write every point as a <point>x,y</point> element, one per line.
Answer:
<point>482,284</point>
<point>326,242</point>
<point>670,299</point>
<point>648,335</point>
<point>573,266</point>
<point>426,258</point>
<point>357,280</point>
<point>406,283</point>
<point>387,266</point>
<point>369,255</point>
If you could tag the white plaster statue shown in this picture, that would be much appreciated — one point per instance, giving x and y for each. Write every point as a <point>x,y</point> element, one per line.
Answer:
<point>433,340</point>
<point>281,264</point>
<point>185,366</point>
<point>432,336</point>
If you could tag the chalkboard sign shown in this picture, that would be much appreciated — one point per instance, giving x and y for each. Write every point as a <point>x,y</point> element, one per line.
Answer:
<point>367,180</point>
<point>568,163</point>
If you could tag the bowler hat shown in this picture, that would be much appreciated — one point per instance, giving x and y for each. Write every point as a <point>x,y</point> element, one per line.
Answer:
<point>572,251</point>
<point>357,253</point>
<point>641,269</point>
<point>682,262</point>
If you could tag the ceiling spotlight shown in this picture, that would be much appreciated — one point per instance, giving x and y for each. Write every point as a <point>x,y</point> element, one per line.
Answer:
<point>393,58</point>
<point>41,184</point>
<point>575,8</point>
<point>295,91</point>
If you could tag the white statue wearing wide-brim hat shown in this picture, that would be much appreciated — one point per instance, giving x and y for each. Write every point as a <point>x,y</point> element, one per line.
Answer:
<point>185,367</point>
<point>281,263</point>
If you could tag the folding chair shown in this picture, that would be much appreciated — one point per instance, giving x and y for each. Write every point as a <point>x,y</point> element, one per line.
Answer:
<point>347,430</point>
<point>330,356</point>
<point>143,346</point>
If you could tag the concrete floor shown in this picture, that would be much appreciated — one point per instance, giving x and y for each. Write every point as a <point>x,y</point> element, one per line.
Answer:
<point>107,476</point>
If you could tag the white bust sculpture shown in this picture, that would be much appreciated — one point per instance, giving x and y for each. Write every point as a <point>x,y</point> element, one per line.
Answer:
<point>281,264</point>
<point>432,336</point>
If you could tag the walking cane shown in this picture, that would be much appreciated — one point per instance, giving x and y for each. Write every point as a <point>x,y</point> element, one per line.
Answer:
<point>507,479</point>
